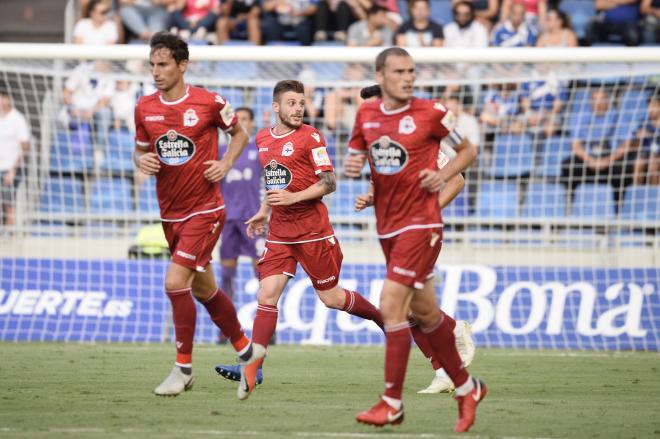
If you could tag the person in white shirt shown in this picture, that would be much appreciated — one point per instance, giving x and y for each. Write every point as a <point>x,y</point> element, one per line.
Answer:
<point>465,31</point>
<point>87,95</point>
<point>95,27</point>
<point>15,142</point>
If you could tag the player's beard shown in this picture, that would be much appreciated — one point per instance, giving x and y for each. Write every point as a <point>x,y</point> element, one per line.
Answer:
<point>289,123</point>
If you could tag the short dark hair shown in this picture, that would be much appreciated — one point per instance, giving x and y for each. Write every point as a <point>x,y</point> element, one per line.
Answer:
<point>411,3</point>
<point>248,110</point>
<point>563,17</point>
<point>165,40</point>
<point>287,85</point>
<point>376,8</point>
<point>90,7</point>
<point>381,59</point>
<point>463,3</point>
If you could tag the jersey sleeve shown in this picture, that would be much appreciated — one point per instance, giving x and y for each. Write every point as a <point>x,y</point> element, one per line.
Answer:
<point>318,153</point>
<point>444,125</point>
<point>141,136</point>
<point>357,144</point>
<point>222,113</point>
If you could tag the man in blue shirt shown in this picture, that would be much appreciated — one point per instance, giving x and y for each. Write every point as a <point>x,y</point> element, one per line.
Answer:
<point>618,18</point>
<point>602,147</point>
<point>516,31</point>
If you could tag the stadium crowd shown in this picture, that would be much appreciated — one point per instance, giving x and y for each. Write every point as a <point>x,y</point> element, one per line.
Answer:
<point>451,23</point>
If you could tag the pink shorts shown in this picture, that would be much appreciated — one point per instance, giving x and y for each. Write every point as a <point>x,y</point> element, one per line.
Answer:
<point>321,260</point>
<point>192,241</point>
<point>411,256</point>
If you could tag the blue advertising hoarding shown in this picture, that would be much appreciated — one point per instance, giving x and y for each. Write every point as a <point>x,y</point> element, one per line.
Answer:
<point>529,307</point>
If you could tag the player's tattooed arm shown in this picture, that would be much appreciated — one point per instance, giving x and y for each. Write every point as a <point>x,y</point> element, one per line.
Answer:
<point>329,181</point>
<point>281,197</point>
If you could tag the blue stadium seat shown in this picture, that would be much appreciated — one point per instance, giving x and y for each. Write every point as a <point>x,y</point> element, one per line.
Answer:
<point>261,101</point>
<point>593,202</point>
<point>555,150</point>
<point>62,195</point>
<point>459,207</point>
<point>403,9</point>
<point>512,156</point>
<point>633,105</point>
<point>343,199</point>
<point>641,203</point>
<point>237,69</point>
<point>111,195</point>
<point>497,199</point>
<point>234,95</point>
<point>147,202</point>
<point>119,152</point>
<point>327,71</point>
<point>580,11</point>
<point>544,200</point>
<point>72,151</point>
<point>441,11</point>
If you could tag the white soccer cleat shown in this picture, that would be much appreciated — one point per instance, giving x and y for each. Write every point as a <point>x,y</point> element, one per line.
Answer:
<point>175,383</point>
<point>465,343</point>
<point>249,367</point>
<point>440,384</point>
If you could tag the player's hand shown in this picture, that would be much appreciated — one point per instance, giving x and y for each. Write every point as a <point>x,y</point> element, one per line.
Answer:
<point>280,197</point>
<point>149,163</point>
<point>353,164</point>
<point>432,180</point>
<point>363,201</point>
<point>257,224</point>
<point>217,169</point>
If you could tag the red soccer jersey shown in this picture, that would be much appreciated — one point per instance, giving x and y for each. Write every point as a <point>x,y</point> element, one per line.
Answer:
<point>293,161</point>
<point>400,143</point>
<point>184,134</point>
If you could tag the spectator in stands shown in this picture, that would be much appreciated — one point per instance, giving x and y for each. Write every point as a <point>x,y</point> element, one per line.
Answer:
<point>465,30</point>
<point>616,18</point>
<point>542,102</point>
<point>194,18</point>
<point>601,152</point>
<point>95,27</point>
<point>485,11</point>
<point>240,19</point>
<point>289,20</point>
<point>420,30</point>
<point>501,112</point>
<point>650,9</point>
<point>113,8</point>
<point>516,31</point>
<point>15,143</point>
<point>144,17</point>
<point>87,95</point>
<point>333,18</point>
<point>466,123</point>
<point>647,165</point>
<point>535,11</point>
<point>373,31</point>
<point>341,104</point>
<point>558,31</point>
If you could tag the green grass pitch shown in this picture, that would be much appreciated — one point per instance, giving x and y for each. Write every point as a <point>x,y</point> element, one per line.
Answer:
<point>104,391</point>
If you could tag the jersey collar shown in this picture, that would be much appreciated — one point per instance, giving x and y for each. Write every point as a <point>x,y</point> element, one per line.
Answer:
<point>178,101</point>
<point>281,136</point>
<point>397,111</point>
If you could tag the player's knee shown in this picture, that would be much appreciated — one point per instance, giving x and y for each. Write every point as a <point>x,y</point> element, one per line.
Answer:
<point>332,298</point>
<point>428,317</point>
<point>268,297</point>
<point>173,283</point>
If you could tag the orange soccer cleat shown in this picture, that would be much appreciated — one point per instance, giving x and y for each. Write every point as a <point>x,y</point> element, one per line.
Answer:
<point>467,406</point>
<point>381,414</point>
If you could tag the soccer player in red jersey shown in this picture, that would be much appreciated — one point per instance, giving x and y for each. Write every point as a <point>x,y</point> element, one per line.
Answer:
<point>177,141</point>
<point>298,173</point>
<point>400,135</point>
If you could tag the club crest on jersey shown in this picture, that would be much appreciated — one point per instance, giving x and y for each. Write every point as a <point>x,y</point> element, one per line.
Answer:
<point>388,156</point>
<point>277,175</point>
<point>407,125</point>
<point>174,149</point>
<point>287,149</point>
<point>190,118</point>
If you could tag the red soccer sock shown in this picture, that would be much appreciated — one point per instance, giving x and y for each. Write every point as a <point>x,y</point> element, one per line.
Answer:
<point>442,341</point>
<point>223,313</point>
<point>184,314</point>
<point>423,344</point>
<point>397,351</point>
<point>357,305</point>
<point>264,325</point>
